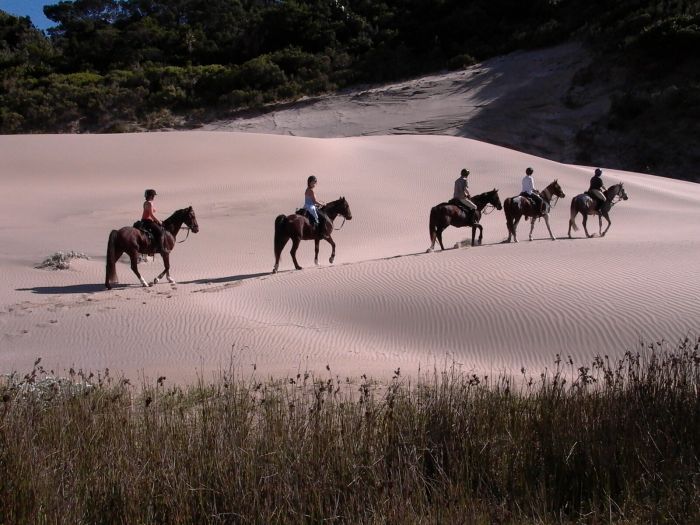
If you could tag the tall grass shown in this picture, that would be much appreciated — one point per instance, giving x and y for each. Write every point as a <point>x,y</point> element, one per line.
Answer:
<point>613,442</point>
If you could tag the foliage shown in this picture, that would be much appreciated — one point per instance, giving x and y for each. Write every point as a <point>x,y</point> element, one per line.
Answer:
<point>615,441</point>
<point>194,55</point>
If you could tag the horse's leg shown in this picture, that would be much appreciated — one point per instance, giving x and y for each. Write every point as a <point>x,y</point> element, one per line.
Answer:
<point>572,219</point>
<point>332,243</point>
<point>439,237</point>
<point>516,220</point>
<point>166,270</point>
<point>481,232</point>
<point>607,218</point>
<point>133,256</point>
<point>532,227</point>
<point>295,245</point>
<point>316,245</point>
<point>585,228</point>
<point>546,221</point>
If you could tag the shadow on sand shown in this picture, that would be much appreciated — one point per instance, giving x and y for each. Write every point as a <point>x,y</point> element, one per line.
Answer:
<point>229,279</point>
<point>55,290</point>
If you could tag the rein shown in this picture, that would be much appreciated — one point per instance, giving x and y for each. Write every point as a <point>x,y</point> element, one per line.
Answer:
<point>188,233</point>
<point>341,226</point>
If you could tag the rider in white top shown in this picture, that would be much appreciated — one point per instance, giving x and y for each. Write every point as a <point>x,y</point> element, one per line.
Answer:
<point>530,191</point>
<point>310,201</point>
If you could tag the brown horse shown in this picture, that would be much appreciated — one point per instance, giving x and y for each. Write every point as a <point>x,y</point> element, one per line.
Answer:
<point>519,206</point>
<point>446,214</point>
<point>586,205</point>
<point>298,228</point>
<point>133,242</point>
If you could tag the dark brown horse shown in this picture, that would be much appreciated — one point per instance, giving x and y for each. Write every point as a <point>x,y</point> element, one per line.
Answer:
<point>586,205</point>
<point>298,228</point>
<point>133,242</point>
<point>446,214</point>
<point>519,206</point>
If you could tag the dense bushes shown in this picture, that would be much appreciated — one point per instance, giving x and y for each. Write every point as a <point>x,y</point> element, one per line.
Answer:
<point>135,58</point>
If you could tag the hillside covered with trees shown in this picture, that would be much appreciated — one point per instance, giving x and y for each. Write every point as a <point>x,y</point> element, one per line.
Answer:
<point>126,65</point>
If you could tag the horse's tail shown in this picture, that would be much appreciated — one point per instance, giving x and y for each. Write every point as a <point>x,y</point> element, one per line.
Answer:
<point>111,269</point>
<point>572,217</point>
<point>432,225</point>
<point>280,221</point>
<point>508,212</point>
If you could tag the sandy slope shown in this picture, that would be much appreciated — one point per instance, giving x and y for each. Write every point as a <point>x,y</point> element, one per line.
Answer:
<point>384,304</point>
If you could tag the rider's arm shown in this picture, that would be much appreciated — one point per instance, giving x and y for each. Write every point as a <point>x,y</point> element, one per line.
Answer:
<point>313,197</point>
<point>148,209</point>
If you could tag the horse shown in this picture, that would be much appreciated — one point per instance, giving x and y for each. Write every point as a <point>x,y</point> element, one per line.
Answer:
<point>133,242</point>
<point>446,214</point>
<point>298,228</point>
<point>586,205</point>
<point>518,206</point>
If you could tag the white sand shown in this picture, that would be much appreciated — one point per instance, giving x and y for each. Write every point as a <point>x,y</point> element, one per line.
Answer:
<point>384,304</point>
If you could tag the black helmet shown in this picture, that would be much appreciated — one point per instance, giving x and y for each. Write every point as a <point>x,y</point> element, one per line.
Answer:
<point>598,172</point>
<point>464,172</point>
<point>528,171</point>
<point>311,179</point>
<point>150,193</point>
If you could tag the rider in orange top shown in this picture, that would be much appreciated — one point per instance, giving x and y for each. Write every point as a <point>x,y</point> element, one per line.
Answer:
<point>151,222</point>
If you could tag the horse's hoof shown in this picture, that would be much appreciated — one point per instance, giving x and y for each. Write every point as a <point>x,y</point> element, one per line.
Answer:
<point>171,280</point>
<point>331,260</point>
<point>554,238</point>
<point>298,267</point>
<point>156,280</point>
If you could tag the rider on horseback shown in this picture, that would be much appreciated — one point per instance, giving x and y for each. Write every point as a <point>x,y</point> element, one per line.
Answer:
<point>529,191</point>
<point>317,218</point>
<point>151,223</point>
<point>596,189</point>
<point>461,194</point>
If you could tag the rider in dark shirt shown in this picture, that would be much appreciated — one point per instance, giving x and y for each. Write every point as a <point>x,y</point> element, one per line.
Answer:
<point>596,189</point>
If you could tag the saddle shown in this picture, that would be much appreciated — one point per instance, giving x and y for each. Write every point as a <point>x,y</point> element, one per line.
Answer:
<point>544,208</point>
<point>469,212</point>
<point>139,225</point>
<point>305,213</point>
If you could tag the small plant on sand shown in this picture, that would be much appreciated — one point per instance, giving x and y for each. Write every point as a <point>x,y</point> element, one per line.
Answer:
<point>61,260</point>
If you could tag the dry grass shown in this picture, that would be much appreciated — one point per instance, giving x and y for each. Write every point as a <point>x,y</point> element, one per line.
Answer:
<point>615,442</point>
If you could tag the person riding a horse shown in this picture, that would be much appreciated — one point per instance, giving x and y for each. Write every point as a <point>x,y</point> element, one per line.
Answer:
<point>310,204</point>
<point>461,195</point>
<point>150,222</point>
<point>529,191</point>
<point>596,189</point>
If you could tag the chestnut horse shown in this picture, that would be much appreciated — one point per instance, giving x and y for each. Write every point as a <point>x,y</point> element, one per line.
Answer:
<point>446,214</point>
<point>133,242</point>
<point>298,228</point>
<point>519,206</point>
<point>586,205</point>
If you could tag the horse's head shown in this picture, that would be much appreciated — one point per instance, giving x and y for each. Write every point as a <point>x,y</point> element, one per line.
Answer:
<point>339,207</point>
<point>190,219</point>
<point>494,199</point>
<point>555,189</point>
<point>617,190</point>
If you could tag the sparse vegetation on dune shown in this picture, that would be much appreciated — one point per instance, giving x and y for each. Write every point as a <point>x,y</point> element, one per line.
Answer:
<point>615,441</point>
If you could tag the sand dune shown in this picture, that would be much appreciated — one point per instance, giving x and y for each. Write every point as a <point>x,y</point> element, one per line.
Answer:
<point>384,304</point>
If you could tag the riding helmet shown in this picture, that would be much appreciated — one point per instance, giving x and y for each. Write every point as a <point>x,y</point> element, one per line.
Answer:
<point>528,171</point>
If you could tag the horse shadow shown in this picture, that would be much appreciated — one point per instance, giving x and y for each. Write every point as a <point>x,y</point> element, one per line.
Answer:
<point>228,279</point>
<point>71,289</point>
